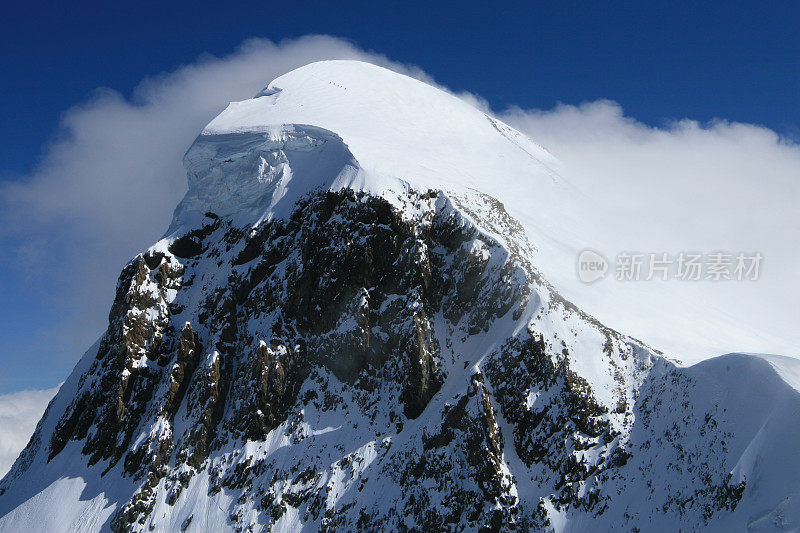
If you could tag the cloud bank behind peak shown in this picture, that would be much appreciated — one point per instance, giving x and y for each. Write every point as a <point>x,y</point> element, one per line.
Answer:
<point>106,186</point>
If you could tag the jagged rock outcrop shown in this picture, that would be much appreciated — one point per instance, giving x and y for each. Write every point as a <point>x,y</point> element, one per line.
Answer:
<point>350,311</point>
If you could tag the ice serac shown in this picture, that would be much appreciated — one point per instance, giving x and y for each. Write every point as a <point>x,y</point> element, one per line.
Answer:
<point>344,330</point>
<point>255,176</point>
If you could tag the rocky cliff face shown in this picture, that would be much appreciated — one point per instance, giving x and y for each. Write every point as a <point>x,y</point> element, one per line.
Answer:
<point>343,358</point>
<point>359,366</point>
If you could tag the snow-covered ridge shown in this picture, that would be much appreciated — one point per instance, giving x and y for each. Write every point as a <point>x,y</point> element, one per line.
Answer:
<point>343,124</point>
<point>404,134</point>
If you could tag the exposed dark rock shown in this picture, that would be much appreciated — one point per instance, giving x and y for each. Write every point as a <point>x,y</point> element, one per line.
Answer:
<point>352,311</point>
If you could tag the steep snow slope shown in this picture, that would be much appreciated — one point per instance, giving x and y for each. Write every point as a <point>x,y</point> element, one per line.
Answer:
<point>338,334</point>
<point>401,128</point>
<point>397,126</point>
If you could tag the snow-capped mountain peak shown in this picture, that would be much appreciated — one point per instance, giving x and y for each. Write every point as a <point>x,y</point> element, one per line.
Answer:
<point>400,133</point>
<point>346,328</point>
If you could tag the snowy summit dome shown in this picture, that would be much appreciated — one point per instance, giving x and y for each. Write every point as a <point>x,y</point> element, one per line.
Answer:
<point>400,131</point>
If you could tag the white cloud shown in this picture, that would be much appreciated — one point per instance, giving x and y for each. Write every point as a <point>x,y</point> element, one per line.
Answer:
<point>19,414</point>
<point>107,185</point>
<point>688,186</point>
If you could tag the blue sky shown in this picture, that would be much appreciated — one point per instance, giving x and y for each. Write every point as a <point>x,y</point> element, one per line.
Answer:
<point>737,60</point>
<point>659,61</point>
